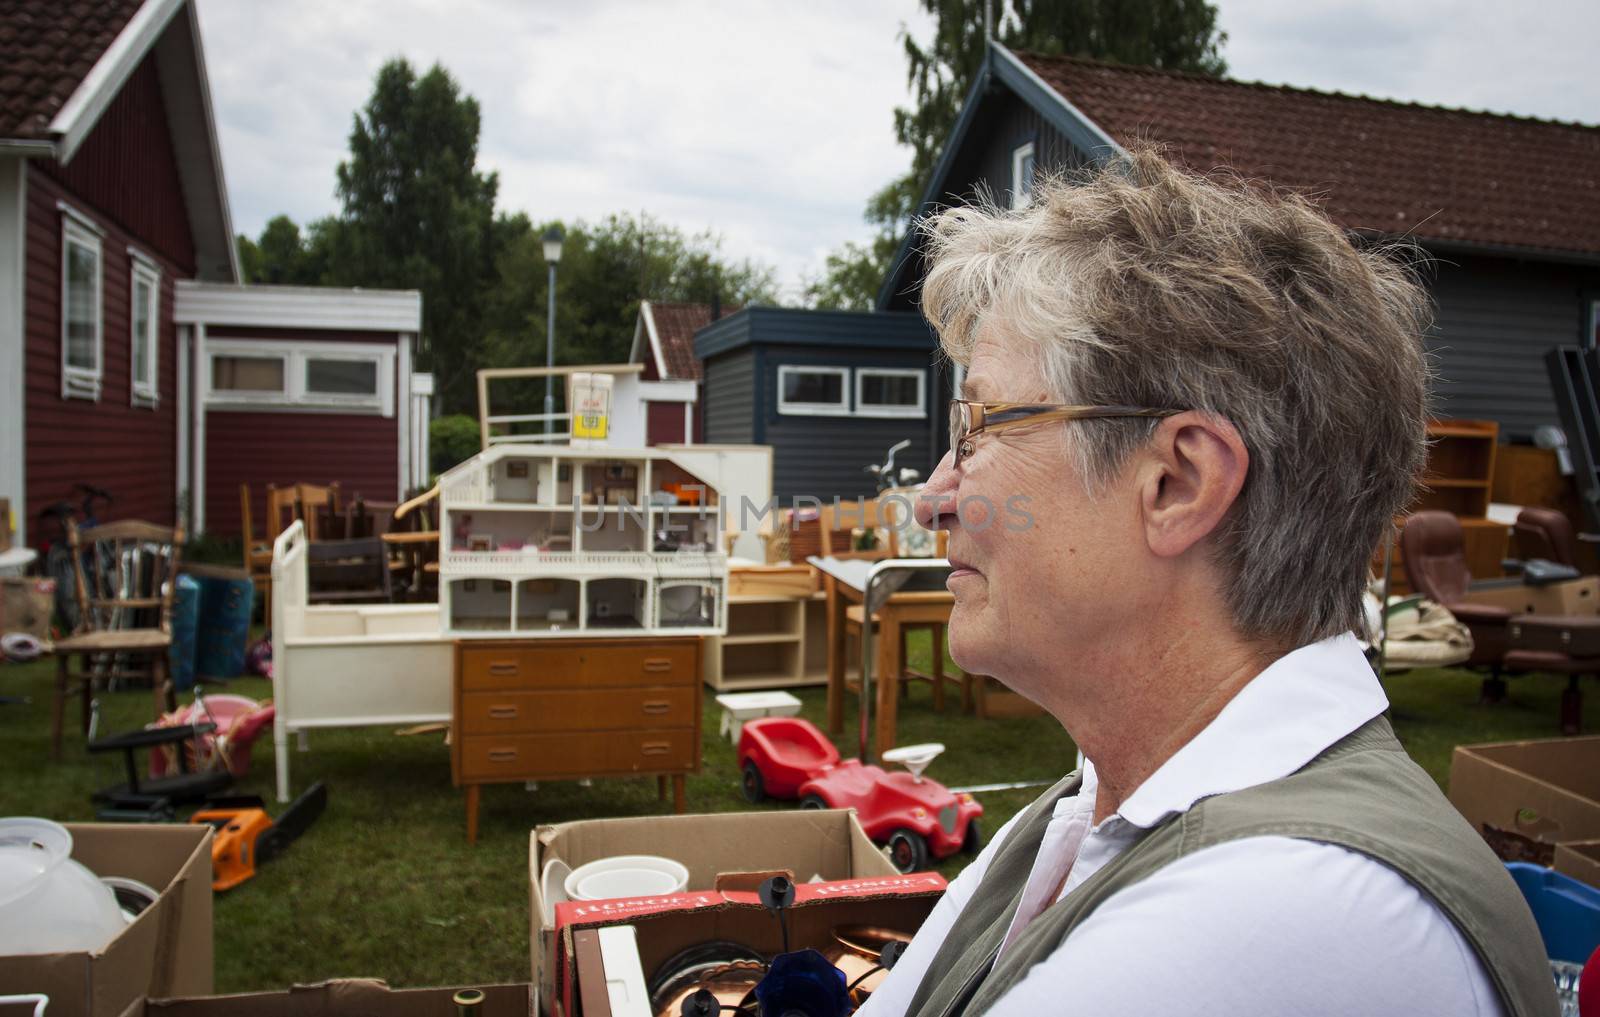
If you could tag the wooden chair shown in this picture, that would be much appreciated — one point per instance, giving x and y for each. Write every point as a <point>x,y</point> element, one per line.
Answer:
<point>413,538</point>
<point>125,613</point>
<point>313,502</point>
<point>283,508</point>
<point>257,553</point>
<point>348,572</point>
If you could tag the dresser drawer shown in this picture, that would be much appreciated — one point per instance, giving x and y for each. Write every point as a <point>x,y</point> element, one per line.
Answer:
<point>576,710</point>
<point>557,665</point>
<point>609,753</point>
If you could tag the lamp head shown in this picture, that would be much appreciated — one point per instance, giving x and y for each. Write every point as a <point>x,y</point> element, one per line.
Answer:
<point>552,244</point>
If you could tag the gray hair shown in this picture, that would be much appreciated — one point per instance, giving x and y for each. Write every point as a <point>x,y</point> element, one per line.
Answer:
<point>1147,285</point>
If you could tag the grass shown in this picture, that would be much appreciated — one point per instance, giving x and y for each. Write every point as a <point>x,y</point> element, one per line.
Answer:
<point>385,885</point>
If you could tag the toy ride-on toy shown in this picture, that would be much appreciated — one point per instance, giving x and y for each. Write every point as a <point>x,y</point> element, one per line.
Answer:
<point>915,818</point>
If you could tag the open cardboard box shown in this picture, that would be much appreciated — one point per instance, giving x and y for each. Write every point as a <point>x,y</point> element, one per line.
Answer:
<point>1527,797</point>
<point>166,951</point>
<point>344,997</point>
<point>860,885</point>
<point>1579,859</point>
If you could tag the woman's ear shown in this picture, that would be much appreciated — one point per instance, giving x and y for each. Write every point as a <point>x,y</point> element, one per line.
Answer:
<point>1195,468</point>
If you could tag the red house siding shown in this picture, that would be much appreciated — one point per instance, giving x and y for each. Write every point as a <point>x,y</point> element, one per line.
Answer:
<point>663,424</point>
<point>128,450</point>
<point>126,169</point>
<point>362,453</point>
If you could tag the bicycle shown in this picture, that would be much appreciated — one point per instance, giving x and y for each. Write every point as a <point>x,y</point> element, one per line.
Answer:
<point>56,553</point>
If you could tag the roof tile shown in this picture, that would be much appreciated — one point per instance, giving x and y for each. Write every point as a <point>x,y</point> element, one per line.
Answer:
<point>676,325</point>
<point>1395,168</point>
<point>48,47</point>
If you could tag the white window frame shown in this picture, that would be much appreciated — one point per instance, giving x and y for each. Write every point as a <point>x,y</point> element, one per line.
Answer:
<point>865,409</point>
<point>79,382</point>
<point>295,397</point>
<point>1022,188</point>
<point>796,409</point>
<point>145,270</point>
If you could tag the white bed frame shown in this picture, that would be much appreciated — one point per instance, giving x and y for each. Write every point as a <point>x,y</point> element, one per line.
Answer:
<point>349,666</point>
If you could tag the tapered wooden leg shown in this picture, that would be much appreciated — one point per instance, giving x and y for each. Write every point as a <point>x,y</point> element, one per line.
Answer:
<point>680,800</point>
<point>166,695</point>
<point>836,661</point>
<point>661,788</point>
<point>472,812</point>
<point>86,693</point>
<point>938,667</point>
<point>887,667</point>
<point>58,708</point>
<point>905,686</point>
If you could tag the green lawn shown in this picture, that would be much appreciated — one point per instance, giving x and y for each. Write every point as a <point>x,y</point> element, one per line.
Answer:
<point>385,885</point>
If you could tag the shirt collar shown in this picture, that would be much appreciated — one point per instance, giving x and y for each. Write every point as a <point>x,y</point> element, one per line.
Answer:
<point>1304,702</point>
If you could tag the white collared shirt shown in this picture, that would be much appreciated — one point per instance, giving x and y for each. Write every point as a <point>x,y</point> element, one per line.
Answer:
<point>1263,925</point>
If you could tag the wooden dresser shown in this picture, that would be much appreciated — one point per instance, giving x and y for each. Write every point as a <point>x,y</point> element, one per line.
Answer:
<point>549,709</point>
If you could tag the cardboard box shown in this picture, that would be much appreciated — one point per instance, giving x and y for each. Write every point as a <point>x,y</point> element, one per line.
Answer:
<point>344,997</point>
<point>1579,859</point>
<point>808,843</point>
<point>1575,596</point>
<point>166,951</point>
<point>1527,797</point>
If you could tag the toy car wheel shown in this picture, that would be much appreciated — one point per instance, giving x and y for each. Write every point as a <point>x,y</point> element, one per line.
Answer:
<point>908,852</point>
<point>755,788</point>
<point>814,802</point>
<point>972,843</point>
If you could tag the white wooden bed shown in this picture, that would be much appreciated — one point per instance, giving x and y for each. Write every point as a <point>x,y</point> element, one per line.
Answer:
<point>348,666</point>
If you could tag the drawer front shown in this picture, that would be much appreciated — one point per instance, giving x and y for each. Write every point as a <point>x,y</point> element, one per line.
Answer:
<point>554,665</point>
<point>610,753</point>
<point>532,712</point>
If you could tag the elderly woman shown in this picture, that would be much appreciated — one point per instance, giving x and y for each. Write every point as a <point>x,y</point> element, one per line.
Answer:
<point>1190,410</point>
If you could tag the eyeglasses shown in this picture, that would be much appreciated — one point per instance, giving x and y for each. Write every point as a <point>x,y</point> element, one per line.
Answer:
<point>968,418</point>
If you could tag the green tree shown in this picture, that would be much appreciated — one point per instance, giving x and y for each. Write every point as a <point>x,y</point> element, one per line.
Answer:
<point>282,256</point>
<point>417,214</point>
<point>1171,34</point>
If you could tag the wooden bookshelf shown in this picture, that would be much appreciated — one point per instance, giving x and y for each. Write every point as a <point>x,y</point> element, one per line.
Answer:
<point>1459,479</point>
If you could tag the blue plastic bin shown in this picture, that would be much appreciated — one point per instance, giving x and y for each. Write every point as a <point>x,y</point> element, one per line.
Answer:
<point>185,626</point>
<point>226,600</point>
<point>1568,912</point>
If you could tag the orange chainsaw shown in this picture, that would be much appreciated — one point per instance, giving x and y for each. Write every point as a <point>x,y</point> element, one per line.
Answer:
<point>247,837</point>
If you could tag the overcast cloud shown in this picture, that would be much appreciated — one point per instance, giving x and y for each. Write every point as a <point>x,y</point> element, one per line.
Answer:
<point>769,123</point>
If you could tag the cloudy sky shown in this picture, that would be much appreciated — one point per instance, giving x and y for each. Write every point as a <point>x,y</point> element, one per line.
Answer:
<point>770,122</point>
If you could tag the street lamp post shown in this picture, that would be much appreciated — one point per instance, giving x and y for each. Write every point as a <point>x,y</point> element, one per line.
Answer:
<point>552,254</point>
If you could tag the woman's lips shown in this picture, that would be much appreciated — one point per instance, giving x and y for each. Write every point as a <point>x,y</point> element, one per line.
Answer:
<point>960,569</point>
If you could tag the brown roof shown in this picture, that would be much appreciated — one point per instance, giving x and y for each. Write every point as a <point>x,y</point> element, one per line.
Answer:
<point>676,325</point>
<point>47,48</point>
<point>1396,168</point>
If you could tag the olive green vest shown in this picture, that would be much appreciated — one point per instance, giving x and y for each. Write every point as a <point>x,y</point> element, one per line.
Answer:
<point>1364,794</point>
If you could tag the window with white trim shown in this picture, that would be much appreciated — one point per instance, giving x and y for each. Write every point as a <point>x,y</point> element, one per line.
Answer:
<point>813,391</point>
<point>145,321</point>
<point>274,374</point>
<point>1022,176</point>
<point>82,312</point>
<point>890,392</point>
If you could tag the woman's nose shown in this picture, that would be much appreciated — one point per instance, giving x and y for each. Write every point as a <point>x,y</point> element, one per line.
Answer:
<point>936,502</point>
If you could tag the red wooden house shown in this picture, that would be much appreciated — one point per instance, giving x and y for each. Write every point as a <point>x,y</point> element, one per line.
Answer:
<point>670,385</point>
<point>130,356</point>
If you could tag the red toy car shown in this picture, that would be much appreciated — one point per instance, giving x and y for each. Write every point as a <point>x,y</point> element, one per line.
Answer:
<point>916,818</point>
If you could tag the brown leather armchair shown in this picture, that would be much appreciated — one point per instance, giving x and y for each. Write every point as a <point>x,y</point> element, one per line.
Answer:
<point>1435,558</point>
<point>1546,533</point>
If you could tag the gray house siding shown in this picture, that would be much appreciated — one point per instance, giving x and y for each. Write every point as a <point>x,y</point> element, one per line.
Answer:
<point>825,457</point>
<point>729,398</point>
<point>1013,125</point>
<point>1494,320</point>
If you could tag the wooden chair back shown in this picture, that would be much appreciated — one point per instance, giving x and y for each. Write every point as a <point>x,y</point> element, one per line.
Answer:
<point>282,509</point>
<point>314,501</point>
<point>131,574</point>
<point>348,571</point>
<point>837,519</point>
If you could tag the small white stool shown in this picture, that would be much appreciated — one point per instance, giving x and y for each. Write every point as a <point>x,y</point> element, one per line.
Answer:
<point>738,707</point>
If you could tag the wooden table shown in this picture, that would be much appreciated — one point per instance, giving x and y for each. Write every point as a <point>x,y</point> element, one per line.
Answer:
<point>901,609</point>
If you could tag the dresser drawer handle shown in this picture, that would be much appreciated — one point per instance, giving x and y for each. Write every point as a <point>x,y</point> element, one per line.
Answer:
<point>658,664</point>
<point>503,712</point>
<point>655,748</point>
<point>502,755</point>
<point>503,667</point>
<point>657,706</point>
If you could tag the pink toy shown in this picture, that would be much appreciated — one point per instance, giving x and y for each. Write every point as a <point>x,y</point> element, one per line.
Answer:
<point>914,817</point>
<point>240,721</point>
